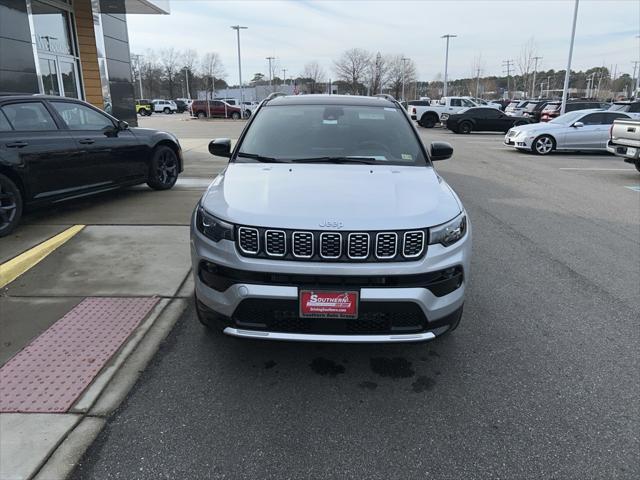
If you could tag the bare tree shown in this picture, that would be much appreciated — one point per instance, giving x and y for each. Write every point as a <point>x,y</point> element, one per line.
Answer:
<point>151,72</point>
<point>400,70</point>
<point>170,60</point>
<point>352,67</point>
<point>378,69</point>
<point>526,61</point>
<point>211,68</point>
<point>314,72</point>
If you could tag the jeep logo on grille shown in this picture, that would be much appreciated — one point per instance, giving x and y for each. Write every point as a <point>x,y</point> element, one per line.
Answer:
<point>331,224</point>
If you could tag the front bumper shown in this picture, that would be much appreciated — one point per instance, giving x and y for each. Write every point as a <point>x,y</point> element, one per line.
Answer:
<point>521,142</point>
<point>262,301</point>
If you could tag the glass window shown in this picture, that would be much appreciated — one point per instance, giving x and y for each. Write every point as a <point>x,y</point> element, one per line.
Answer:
<point>456,102</point>
<point>51,27</point>
<point>467,103</point>
<point>608,118</point>
<point>68,73</point>
<point>79,117</point>
<point>299,132</point>
<point>5,126</point>
<point>49,74</point>
<point>29,116</point>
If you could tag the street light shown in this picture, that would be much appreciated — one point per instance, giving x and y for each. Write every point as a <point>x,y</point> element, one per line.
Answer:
<point>567,74</point>
<point>404,60</point>
<point>237,28</point>
<point>637,92</point>
<point>270,71</point>
<point>284,76</point>
<point>446,62</point>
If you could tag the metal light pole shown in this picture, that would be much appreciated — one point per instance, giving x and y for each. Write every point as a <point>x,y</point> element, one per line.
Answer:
<point>635,66</point>
<point>637,92</point>
<point>565,88</point>
<point>270,71</point>
<point>186,78</point>
<point>137,60</point>
<point>446,62</point>
<point>478,83</point>
<point>284,76</point>
<point>237,28</point>
<point>404,63</point>
<point>535,69</point>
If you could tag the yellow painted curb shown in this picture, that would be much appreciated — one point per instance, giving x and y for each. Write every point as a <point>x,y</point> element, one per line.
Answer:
<point>15,267</point>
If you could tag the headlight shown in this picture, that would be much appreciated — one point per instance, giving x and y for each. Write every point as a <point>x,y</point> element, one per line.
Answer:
<point>211,227</point>
<point>450,232</point>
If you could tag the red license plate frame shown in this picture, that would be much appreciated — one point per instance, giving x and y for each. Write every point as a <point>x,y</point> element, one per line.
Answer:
<point>329,303</point>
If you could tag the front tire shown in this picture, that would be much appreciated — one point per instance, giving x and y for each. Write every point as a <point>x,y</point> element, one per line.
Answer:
<point>163,170</point>
<point>428,120</point>
<point>235,116</point>
<point>10,205</point>
<point>166,110</point>
<point>465,128</point>
<point>143,112</point>
<point>543,145</point>
<point>201,115</point>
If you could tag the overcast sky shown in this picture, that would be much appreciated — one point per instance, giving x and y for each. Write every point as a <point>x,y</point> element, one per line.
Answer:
<point>297,32</point>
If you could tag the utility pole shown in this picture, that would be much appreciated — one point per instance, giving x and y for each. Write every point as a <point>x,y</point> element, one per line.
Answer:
<point>635,67</point>
<point>284,76</point>
<point>477,82</point>
<point>535,69</point>
<point>508,64</point>
<point>637,92</point>
<point>446,63</point>
<point>237,28</point>
<point>404,60</point>
<point>186,79</point>
<point>567,74</point>
<point>270,71</point>
<point>137,60</point>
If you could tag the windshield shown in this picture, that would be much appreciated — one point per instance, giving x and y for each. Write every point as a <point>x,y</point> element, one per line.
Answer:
<point>298,132</point>
<point>568,118</point>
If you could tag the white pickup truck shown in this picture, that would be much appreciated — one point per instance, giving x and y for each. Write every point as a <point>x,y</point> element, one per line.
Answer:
<point>624,141</point>
<point>429,115</point>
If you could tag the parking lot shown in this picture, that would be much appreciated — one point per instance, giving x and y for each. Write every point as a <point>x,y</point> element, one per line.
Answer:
<point>539,380</point>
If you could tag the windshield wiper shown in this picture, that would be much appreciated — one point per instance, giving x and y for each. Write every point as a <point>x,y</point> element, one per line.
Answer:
<point>365,160</point>
<point>260,158</point>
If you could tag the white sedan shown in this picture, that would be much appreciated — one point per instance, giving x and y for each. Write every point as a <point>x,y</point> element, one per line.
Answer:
<point>573,131</point>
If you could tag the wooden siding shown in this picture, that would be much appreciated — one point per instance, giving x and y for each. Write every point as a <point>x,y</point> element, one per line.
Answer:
<point>88,53</point>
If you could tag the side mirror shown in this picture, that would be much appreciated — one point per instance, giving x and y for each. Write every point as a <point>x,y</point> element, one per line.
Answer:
<point>220,147</point>
<point>122,125</point>
<point>440,151</point>
<point>578,125</point>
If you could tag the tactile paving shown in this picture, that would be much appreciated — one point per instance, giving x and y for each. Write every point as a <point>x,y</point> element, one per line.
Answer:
<point>52,371</point>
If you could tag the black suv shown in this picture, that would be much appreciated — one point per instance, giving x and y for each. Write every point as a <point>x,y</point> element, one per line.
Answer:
<point>54,148</point>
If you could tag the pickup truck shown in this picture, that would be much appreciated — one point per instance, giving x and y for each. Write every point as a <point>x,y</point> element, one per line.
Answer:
<point>624,141</point>
<point>428,115</point>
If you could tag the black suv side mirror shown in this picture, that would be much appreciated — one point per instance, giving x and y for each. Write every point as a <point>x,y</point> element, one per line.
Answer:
<point>220,147</point>
<point>122,125</point>
<point>440,151</point>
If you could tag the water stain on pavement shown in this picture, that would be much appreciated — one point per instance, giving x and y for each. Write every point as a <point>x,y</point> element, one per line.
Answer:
<point>269,364</point>
<point>422,384</point>
<point>368,385</point>
<point>396,367</point>
<point>323,366</point>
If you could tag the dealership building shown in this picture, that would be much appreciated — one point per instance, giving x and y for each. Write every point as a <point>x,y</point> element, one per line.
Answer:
<point>71,48</point>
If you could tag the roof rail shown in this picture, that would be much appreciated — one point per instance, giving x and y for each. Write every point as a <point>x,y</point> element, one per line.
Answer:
<point>274,95</point>
<point>386,96</point>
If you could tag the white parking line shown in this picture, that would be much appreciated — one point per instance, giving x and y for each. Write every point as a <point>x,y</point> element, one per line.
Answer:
<point>599,169</point>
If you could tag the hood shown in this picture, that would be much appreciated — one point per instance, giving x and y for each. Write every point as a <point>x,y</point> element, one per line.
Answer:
<point>312,196</point>
<point>534,127</point>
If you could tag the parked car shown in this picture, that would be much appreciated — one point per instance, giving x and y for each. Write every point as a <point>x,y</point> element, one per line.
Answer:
<point>144,108</point>
<point>483,119</point>
<point>511,106</point>
<point>216,109</point>
<point>578,130</point>
<point>429,115</point>
<point>632,108</point>
<point>181,105</point>
<point>552,109</point>
<point>56,148</point>
<point>421,103</point>
<point>355,238</point>
<point>483,103</point>
<point>624,140</point>
<point>519,109</point>
<point>164,106</point>
<point>533,110</point>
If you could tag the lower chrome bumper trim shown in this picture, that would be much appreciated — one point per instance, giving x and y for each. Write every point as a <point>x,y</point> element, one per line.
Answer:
<point>311,337</point>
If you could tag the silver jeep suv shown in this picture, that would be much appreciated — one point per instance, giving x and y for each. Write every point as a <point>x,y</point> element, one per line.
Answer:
<point>330,224</point>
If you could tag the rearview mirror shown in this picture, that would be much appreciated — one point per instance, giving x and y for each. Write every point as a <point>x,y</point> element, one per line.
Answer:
<point>440,151</point>
<point>578,124</point>
<point>220,147</point>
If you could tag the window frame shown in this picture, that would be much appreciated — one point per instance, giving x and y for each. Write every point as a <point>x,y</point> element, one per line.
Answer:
<point>54,117</point>
<point>89,107</point>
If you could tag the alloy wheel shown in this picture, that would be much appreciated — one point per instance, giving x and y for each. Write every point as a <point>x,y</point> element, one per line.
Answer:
<point>544,145</point>
<point>8,207</point>
<point>167,169</point>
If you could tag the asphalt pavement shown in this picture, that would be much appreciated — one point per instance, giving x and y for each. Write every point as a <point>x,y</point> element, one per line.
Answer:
<point>539,381</point>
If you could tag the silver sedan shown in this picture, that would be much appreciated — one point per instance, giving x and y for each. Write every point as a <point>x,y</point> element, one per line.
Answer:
<point>573,131</point>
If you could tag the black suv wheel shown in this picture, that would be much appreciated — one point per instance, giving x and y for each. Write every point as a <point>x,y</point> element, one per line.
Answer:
<point>10,205</point>
<point>163,171</point>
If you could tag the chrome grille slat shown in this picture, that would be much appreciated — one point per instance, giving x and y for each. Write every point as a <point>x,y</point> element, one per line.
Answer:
<point>413,244</point>
<point>275,243</point>
<point>330,245</point>
<point>249,240</point>
<point>386,245</point>
<point>302,244</point>
<point>358,245</point>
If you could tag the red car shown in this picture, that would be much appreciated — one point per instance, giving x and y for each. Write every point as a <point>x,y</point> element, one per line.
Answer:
<point>215,109</point>
<point>552,110</point>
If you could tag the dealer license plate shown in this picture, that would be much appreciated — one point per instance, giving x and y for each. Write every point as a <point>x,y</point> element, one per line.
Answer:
<point>328,304</point>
